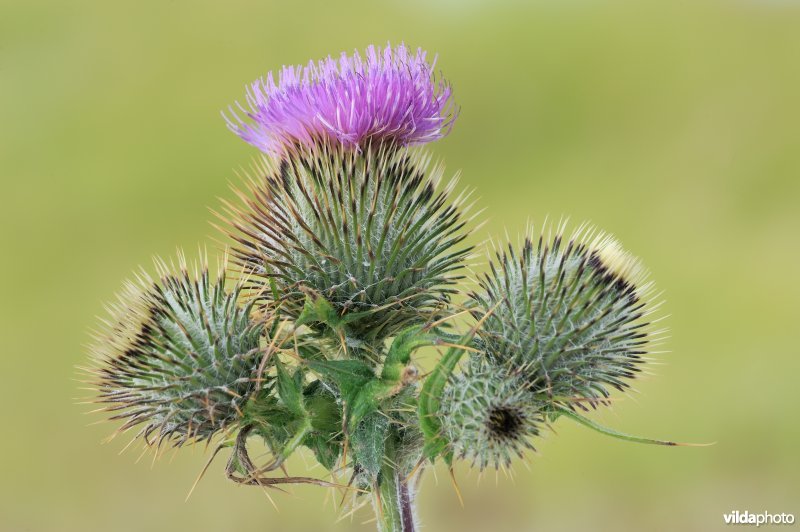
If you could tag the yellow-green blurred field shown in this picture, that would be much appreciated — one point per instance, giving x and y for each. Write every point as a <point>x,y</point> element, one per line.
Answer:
<point>674,125</point>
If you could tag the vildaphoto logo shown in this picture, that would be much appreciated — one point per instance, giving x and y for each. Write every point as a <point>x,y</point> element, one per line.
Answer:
<point>764,518</point>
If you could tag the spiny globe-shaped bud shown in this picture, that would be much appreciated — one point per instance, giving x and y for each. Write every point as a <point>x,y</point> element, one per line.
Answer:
<point>372,232</point>
<point>489,415</point>
<point>571,315</point>
<point>390,95</point>
<point>178,356</point>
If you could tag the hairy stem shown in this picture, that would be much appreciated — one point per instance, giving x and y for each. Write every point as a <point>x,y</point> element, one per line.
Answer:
<point>393,498</point>
<point>406,496</point>
<point>393,502</point>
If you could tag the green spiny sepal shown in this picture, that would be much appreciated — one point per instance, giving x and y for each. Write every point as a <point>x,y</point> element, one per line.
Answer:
<point>178,356</point>
<point>371,232</point>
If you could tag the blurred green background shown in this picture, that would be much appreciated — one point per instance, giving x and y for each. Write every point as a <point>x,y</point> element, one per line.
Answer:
<point>673,125</point>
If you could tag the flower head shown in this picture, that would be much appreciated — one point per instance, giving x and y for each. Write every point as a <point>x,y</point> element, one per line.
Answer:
<point>178,357</point>
<point>374,233</point>
<point>572,315</point>
<point>489,415</point>
<point>388,95</point>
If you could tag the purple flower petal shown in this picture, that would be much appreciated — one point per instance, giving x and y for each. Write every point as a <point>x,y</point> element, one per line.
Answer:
<point>391,95</point>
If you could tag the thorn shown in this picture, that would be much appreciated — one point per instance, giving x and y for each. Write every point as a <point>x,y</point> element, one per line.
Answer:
<point>203,471</point>
<point>455,486</point>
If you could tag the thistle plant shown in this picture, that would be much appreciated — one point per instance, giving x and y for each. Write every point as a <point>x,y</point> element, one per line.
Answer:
<point>348,256</point>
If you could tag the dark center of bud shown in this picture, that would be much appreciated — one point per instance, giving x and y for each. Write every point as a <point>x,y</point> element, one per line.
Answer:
<point>504,422</point>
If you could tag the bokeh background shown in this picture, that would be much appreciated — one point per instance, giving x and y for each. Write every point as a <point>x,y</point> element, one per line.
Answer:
<point>672,124</point>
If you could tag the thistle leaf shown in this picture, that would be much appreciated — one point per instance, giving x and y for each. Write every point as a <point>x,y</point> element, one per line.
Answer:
<point>325,438</point>
<point>430,400</point>
<point>290,389</point>
<point>317,309</point>
<point>586,422</point>
<point>326,449</point>
<point>348,375</point>
<point>369,441</point>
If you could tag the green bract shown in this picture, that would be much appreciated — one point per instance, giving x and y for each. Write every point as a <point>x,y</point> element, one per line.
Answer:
<point>489,416</point>
<point>178,356</point>
<point>372,232</point>
<point>571,315</point>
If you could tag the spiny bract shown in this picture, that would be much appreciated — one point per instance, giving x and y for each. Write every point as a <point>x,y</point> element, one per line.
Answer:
<point>572,317</point>
<point>489,415</point>
<point>371,231</point>
<point>178,356</point>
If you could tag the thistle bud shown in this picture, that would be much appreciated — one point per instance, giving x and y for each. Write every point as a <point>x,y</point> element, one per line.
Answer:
<point>570,315</point>
<point>178,356</point>
<point>372,232</point>
<point>489,415</point>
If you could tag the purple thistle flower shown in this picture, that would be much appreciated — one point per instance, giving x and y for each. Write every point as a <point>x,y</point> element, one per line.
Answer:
<point>390,96</point>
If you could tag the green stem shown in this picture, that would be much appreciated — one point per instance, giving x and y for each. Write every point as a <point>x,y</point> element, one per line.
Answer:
<point>393,498</point>
<point>393,503</point>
